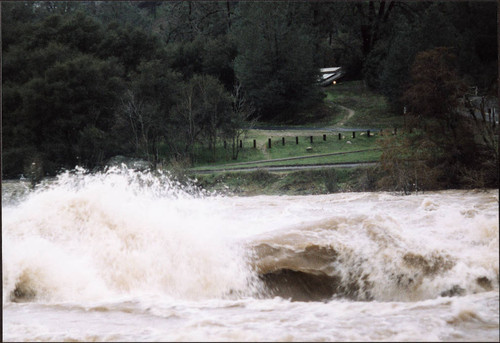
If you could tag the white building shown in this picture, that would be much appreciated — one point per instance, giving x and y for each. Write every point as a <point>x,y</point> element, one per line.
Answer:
<point>328,76</point>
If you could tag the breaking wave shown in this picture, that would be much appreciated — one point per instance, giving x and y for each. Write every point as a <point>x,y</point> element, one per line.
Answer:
<point>123,233</point>
<point>116,233</point>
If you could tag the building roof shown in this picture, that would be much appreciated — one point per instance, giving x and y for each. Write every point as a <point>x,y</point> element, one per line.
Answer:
<point>329,70</point>
<point>328,75</point>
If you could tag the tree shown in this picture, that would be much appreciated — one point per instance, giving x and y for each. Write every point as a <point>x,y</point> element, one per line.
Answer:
<point>147,107</point>
<point>275,62</point>
<point>240,119</point>
<point>431,29</point>
<point>216,108</point>
<point>407,162</point>
<point>470,29</point>
<point>204,109</point>
<point>72,95</point>
<point>485,132</point>
<point>17,21</point>
<point>435,88</point>
<point>204,55</point>
<point>188,118</point>
<point>374,16</point>
<point>434,98</point>
<point>121,12</point>
<point>186,57</point>
<point>218,55</point>
<point>129,46</point>
<point>56,92</point>
<point>182,21</point>
<point>361,31</point>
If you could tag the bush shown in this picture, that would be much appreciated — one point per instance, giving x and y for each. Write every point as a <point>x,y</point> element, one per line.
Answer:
<point>331,180</point>
<point>178,169</point>
<point>262,176</point>
<point>14,161</point>
<point>33,169</point>
<point>367,180</point>
<point>407,161</point>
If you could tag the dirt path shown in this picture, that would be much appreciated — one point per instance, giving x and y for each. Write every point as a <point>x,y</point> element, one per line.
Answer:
<point>350,113</point>
<point>309,131</point>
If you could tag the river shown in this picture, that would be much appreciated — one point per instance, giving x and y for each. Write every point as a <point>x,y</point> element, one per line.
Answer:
<point>127,256</point>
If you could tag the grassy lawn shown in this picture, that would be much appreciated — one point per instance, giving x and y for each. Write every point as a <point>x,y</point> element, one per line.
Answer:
<point>319,146</point>
<point>362,156</point>
<point>371,109</point>
<point>352,107</point>
<point>203,157</point>
<point>291,149</point>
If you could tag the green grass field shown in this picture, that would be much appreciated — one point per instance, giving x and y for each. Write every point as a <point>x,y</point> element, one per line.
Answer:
<point>355,157</point>
<point>371,110</point>
<point>359,149</point>
<point>352,107</point>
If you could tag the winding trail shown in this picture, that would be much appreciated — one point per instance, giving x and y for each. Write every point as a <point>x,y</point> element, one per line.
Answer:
<point>306,130</point>
<point>350,113</point>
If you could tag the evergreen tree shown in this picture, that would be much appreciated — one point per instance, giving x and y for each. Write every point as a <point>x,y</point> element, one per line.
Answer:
<point>275,62</point>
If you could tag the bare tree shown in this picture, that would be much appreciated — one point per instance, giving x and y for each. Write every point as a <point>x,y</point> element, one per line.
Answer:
<point>132,110</point>
<point>189,116</point>
<point>240,121</point>
<point>141,117</point>
<point>203,110</point>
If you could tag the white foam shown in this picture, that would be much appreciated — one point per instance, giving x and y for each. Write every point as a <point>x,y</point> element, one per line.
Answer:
<point>122,232</point>
<point>110,233</point>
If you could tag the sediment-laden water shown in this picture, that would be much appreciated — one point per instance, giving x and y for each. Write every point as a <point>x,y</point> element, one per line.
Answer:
<point>127,256</point>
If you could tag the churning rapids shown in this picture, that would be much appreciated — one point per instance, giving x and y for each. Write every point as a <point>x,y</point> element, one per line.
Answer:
<point>127,256</point>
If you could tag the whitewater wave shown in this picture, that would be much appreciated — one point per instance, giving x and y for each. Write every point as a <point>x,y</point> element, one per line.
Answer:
<point>119,232</point>
<point>122,233</point>
<point>372,257</point>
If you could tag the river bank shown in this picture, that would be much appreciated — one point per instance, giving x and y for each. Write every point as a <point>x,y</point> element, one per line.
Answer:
<point>317,181</point>
<point>300,182</point>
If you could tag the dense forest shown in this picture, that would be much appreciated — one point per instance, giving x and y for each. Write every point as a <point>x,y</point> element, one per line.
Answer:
<point>85,81</point>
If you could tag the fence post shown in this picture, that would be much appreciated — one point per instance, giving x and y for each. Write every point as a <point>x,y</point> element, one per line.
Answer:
<point>340,136</point>
<point>283,140</point>
<point>225,144</point>
<point>311,139</point>
<point>269,141</point>
<point>324,137</point>
<point>241,144</point>
<point>354,134</point>
<point>297,140</point>
<point>368,133</point>
<point>254,144</point>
